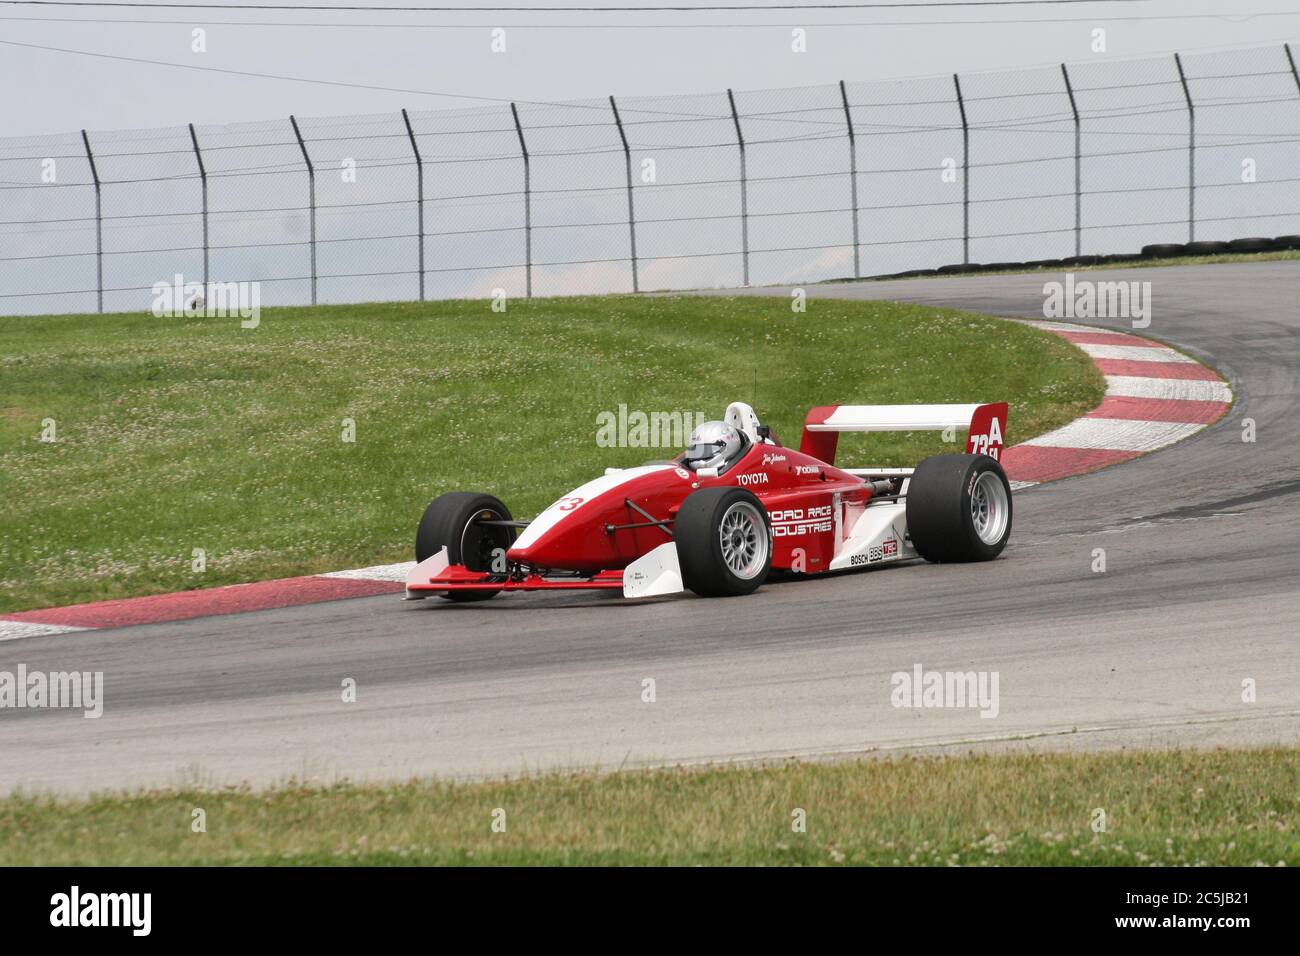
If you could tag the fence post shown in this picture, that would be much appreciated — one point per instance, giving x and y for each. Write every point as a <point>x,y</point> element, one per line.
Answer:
<point>853,178</point>
<point>965,174</point>
<point>744,192</point>
<point>99,225</point>
<point>528,206</point>
<point>1191,152</point>
<point>203,178</point>
<point>1078,181</point>
<point>1291,62</point>
<point>631,212</point>
<point>311,201</point>
<point>419,193</point>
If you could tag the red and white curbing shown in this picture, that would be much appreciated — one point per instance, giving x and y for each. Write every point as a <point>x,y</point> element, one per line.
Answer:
<point>206,602</point>
<point>1155,396</point>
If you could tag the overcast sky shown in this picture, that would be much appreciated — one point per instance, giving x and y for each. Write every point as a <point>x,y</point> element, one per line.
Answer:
<point>575,56</point>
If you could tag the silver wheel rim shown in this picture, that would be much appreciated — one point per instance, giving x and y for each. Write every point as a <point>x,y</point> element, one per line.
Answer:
<point>743,536</point>
<point>990,509</point>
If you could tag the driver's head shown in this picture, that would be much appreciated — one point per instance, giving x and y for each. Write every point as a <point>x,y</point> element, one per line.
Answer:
<point>713,444</point>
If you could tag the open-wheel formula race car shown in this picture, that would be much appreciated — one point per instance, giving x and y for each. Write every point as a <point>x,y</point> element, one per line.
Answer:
<point>735,506</point>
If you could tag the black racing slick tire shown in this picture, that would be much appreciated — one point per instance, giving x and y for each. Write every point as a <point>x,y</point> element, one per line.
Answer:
<point>959,508</point>
<point>449,522</point>
<point>1253,244</point>
<point>1164,250</point>
<point>724,542</point>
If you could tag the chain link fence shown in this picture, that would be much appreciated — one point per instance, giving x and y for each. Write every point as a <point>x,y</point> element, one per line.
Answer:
<point>653,193</point>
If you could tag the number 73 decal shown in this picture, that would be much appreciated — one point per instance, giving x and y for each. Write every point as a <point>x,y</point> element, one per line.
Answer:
<point>979,445</point>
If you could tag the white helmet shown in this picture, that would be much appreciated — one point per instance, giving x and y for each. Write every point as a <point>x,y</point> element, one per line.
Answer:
<point>713,445</point>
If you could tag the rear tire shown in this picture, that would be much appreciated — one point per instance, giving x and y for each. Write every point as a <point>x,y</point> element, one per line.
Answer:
<point>448,523</point>
<point>959,508</point>
<point>724,542</point>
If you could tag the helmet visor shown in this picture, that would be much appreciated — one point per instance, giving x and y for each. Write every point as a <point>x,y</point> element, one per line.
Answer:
<point>704,451</point>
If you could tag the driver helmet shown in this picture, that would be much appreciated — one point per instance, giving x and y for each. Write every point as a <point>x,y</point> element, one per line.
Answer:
<point>713,444</point>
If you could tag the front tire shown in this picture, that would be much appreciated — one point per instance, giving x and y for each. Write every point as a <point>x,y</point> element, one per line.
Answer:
<point>724,542</point>
<point>959,508</point>
<point>449,522</point>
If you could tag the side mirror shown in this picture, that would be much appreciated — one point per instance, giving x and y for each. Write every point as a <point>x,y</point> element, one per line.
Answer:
<point>706,472</point>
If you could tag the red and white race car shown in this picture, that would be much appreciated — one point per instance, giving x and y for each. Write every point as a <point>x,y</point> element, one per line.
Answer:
<point>733,507</point>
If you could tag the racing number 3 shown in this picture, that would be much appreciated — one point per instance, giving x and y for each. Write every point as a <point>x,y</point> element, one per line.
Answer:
<point>980,446</point>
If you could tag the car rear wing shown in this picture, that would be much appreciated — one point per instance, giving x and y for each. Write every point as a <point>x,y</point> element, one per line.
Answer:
<point>986,425</point>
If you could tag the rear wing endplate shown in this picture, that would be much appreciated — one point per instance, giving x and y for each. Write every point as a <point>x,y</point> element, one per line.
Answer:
<point>986,424</point>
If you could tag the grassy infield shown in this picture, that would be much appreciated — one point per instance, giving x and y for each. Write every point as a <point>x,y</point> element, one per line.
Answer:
<point>1228,807</point>
<point>182,434</point>
<point>177,434</point>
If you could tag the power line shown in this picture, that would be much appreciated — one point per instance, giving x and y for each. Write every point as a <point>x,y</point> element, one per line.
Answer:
<point>322,82</point>
<point>325,82</point>
<point>270,76</point>
<point>705,8</point>
<point>364,86</point>
<point>1237,17</point>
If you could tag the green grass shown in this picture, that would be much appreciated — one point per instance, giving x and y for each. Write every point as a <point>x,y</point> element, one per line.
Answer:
<point>1237,807</point>
<point>183,434</point>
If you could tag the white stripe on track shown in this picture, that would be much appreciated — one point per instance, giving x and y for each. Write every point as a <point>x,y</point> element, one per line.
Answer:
<point>1133,386</point>
<point>379,572</point>
<point>1066,327</point>
<point>17,630</point>
<point>1116,434</point>
<point>1135,353</point>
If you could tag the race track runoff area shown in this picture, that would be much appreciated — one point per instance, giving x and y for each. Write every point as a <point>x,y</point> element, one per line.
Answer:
<point>1151,650</point>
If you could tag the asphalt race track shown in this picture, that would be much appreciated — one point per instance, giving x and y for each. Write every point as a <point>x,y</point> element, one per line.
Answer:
<point>1201,591</point>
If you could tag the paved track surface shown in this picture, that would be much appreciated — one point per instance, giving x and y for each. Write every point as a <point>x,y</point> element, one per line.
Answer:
<point>1201,592</point>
